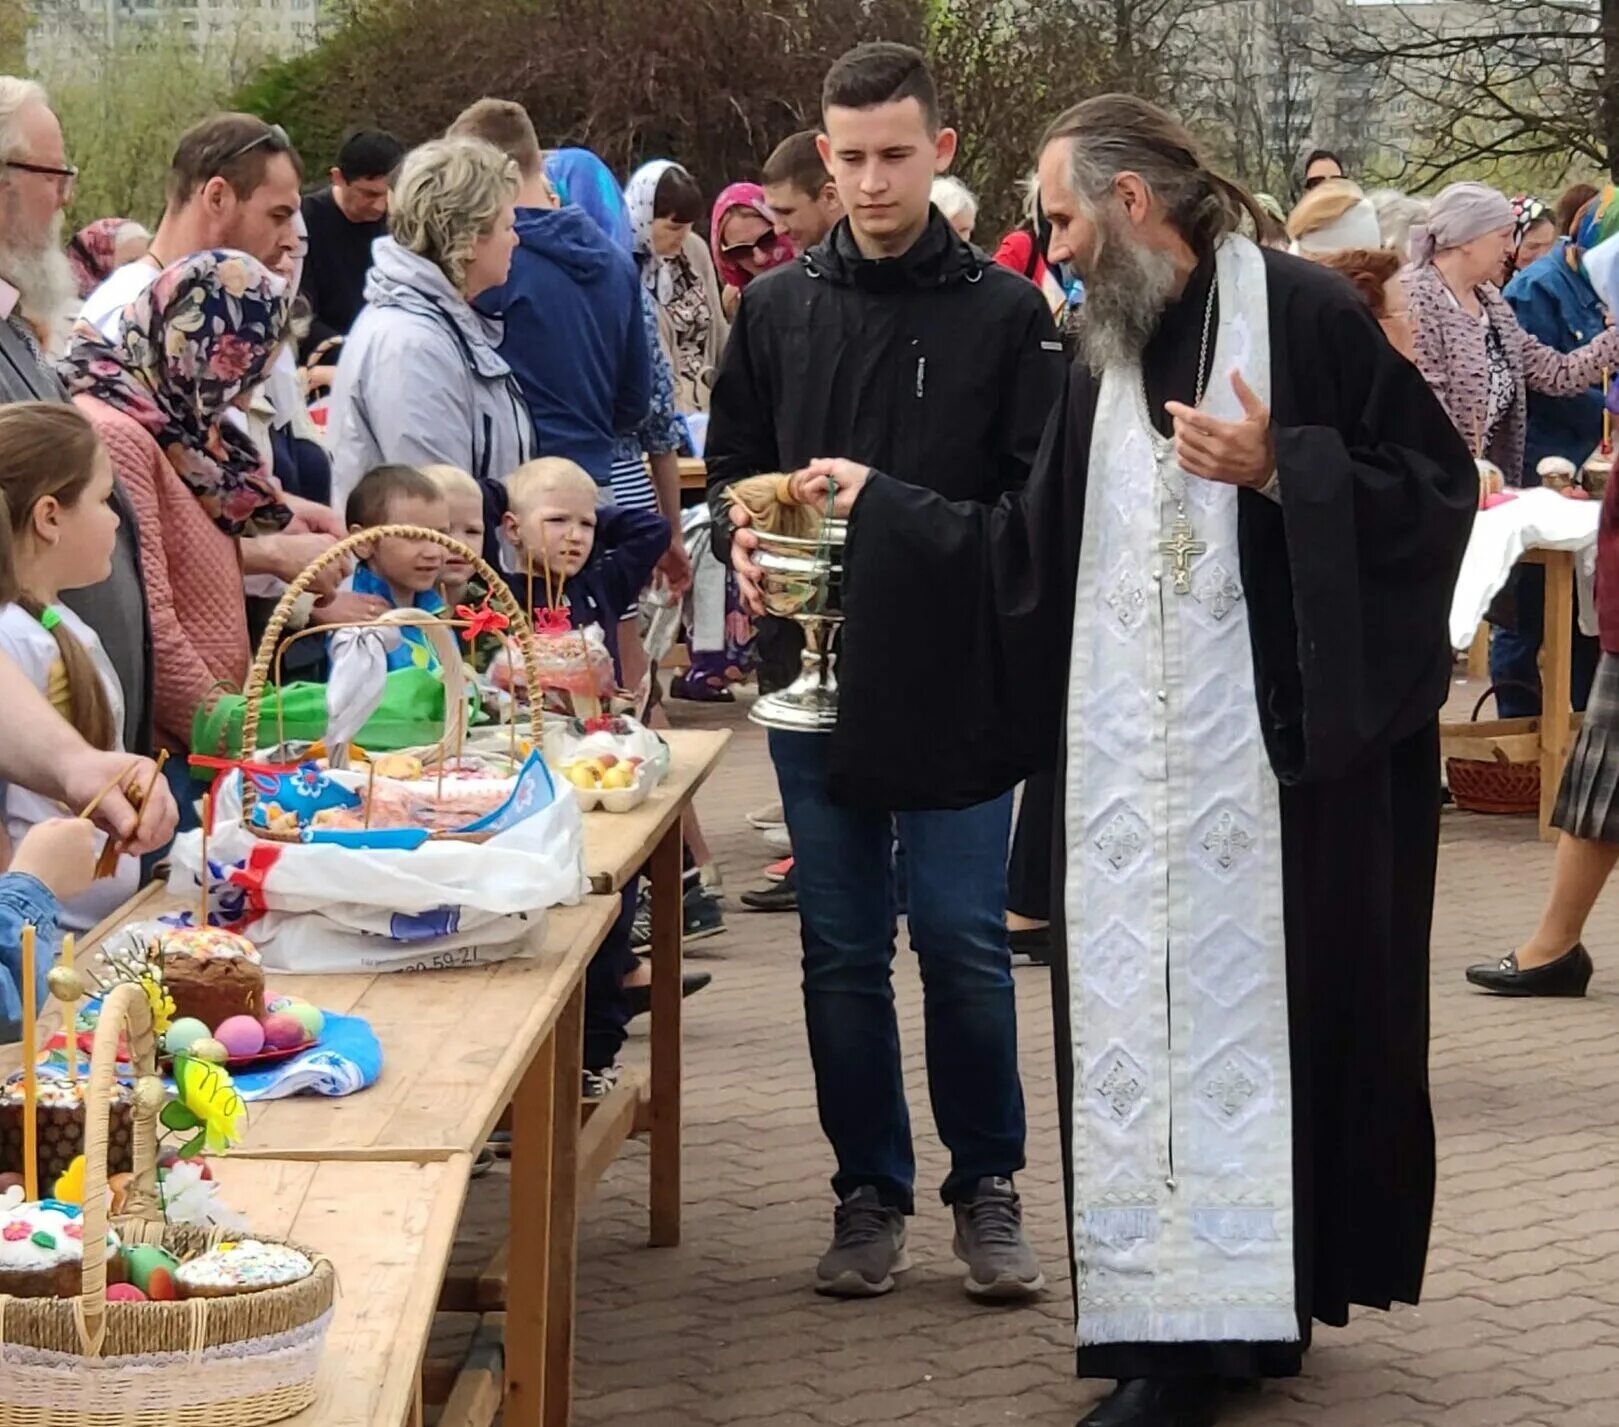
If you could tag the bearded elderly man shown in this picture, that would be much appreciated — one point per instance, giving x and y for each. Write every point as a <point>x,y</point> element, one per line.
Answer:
<point>1243,527</point>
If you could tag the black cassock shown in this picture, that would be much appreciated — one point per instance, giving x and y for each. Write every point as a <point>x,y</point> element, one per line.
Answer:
<point>954,672</point>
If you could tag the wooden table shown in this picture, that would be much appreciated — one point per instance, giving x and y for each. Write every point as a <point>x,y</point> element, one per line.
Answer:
<point>617,846</point>
<point>388,1229</point>
<point>693,474</point>
<point>1550,736</point>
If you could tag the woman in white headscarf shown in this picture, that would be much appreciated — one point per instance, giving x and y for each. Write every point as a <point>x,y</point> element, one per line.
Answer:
<point>665,205</point>
<point>1479,361</point>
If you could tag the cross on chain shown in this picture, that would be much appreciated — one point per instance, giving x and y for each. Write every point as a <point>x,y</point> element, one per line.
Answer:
<point>1181,549</point>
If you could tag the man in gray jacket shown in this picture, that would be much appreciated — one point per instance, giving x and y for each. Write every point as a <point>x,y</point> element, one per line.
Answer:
<point>37,292</point>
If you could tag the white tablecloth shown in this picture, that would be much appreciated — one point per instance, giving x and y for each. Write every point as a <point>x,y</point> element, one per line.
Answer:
<point>1538,519</point>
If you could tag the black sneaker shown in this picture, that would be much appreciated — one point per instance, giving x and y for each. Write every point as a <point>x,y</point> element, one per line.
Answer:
<point>704,916</point>
<point>1031,946</point>
<point>599,1084</point>
<point>641,927</point>
<point>989,1240</point>
<point>868,1248</point>
<point>640,997</point>
<point>780,896</point>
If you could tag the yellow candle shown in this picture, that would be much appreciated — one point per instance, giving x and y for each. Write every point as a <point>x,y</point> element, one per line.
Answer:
<point>202,899</point>
<point>30,1080</point>
<point>1607,416</point>
<point>70,1015</point>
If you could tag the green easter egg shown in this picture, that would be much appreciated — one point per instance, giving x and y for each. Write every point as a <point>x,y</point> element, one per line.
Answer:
<point>184,1034</point>
<point>144,1261</point>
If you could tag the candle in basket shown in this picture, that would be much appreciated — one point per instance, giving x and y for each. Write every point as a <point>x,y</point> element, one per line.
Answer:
<point>30,1072</point>
<point>202,871</point>
<point>70,1008</point>
<point>1607,418</point>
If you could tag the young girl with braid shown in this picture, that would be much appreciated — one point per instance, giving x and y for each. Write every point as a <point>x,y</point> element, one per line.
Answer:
<point>56,482</point>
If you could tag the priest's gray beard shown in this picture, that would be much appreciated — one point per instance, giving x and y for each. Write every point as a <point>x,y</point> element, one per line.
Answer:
<point>43,276</point>
<point>1127,288</point>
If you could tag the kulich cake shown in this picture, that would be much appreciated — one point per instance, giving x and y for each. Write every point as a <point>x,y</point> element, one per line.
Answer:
<point>42,1250</point>
<point>59,1115</point>
<point>243,1266</point>
<point>212,974</point>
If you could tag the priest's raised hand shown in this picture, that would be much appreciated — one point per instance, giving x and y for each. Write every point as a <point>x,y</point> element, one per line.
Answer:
<point>1240,453</point>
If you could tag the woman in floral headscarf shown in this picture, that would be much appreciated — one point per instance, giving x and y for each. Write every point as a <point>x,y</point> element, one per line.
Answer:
<point>1534,230</point>
<point>742,236</point>
<point>96,250</point>
<point>190,348</point>
<point>676,269</point>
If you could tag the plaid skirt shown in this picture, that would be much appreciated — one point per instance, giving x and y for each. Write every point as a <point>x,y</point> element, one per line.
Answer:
<point>1588,801</point>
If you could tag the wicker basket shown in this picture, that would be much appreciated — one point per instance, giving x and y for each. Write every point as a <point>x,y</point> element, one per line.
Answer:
<point>1493,785</point>
<point>198,1362</point>
<point>268,656</point>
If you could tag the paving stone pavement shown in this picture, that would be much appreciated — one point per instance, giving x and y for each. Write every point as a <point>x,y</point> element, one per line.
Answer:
<point>1520,1321</point>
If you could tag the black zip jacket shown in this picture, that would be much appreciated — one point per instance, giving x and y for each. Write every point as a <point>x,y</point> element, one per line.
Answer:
<point>936,366</point>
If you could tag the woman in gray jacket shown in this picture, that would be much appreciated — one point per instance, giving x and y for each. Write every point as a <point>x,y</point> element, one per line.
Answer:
<point>421,380</point>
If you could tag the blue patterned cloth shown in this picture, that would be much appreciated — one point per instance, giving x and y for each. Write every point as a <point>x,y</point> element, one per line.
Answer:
<point>414,651</point>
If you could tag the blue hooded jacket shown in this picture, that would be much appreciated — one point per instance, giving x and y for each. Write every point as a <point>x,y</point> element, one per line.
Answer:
<point>1554,301</point>
<point>574,336</point>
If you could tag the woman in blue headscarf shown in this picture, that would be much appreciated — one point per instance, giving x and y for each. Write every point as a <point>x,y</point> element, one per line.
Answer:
<point>579,178</point>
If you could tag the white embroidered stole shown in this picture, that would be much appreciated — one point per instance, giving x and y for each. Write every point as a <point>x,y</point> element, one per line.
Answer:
<point>1182,1128</point>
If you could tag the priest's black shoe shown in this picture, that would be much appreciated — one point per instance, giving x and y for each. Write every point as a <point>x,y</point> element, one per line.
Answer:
<point>1569,975</point>
<point>1159,1402</point>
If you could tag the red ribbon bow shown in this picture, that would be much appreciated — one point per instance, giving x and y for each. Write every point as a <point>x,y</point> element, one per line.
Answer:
<point>480,621</point>
<point>552,621</point>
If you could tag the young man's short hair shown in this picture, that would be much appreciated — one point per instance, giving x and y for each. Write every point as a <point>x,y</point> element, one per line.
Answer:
<point>796,160</point>
<point>533,479</point>
<point>371,153</point>
<point>880,73</point>
<point>368,502</point>
<point>235,147</point>
<point>505,124</point>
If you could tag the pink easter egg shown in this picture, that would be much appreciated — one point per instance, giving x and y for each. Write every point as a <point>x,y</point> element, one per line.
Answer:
<point>282,1031</point>
<point>240,1035</point>
<point>124,1293</point>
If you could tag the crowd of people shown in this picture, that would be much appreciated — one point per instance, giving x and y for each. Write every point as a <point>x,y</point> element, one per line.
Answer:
<point>498,341</point>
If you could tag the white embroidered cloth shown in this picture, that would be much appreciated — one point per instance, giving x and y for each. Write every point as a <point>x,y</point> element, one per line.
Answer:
<point>1182,1114</point>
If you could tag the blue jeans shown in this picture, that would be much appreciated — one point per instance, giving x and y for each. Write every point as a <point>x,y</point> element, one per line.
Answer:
<point>956,864</point>
<point>1515,653</point>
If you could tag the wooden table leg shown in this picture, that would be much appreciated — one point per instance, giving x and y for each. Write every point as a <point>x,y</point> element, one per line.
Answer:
<point>532,1194</point>
<point>569,1040</point>
<point>667,927</point>
<point>1556,677</point>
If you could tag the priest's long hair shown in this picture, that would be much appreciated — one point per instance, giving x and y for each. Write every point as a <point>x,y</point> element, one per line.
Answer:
<point>1119,133</point>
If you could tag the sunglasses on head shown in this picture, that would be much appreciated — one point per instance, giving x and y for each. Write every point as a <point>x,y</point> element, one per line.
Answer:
<point>1320,179</point>
<point>764,244</point>
<point>274,137</point>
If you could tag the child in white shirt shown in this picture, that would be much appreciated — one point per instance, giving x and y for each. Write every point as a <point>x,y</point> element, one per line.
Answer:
<point>57,483</point>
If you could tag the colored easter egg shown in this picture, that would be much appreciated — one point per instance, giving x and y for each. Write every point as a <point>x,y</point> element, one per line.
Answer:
<point>184,1034</point>
<point>307,1016</point>
<point>147,1266</point>
<point>210,1050</point>
<point>124,1293</point>
<point>282,1030</point>
<point>240,1035</point>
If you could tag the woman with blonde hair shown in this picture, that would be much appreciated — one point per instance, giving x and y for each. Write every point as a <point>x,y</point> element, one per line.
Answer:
<point>1332,216</point>
<point>422,381</point>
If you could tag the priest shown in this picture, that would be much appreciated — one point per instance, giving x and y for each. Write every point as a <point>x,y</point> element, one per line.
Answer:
<point>1218,611</point>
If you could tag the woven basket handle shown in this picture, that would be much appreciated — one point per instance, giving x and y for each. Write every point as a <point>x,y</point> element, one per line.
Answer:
<point>499,591</point>
<point>124,1009</point>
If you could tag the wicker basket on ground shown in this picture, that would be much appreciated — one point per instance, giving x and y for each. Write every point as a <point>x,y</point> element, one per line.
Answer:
<point>198,1362</point>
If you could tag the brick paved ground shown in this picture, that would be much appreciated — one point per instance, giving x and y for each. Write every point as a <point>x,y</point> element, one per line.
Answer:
<point>1521,1320</point>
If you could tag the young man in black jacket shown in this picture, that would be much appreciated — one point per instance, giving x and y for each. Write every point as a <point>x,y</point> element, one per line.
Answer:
<point>896,341</point>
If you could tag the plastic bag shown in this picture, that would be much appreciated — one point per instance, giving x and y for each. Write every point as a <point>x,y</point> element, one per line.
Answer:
<point>411,713</point>
<point>315,908</point>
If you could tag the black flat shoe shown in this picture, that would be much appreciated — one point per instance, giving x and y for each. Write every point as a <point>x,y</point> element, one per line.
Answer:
<point>1569,975</point>
<point>640,997</point>
<point>1159,1402</point>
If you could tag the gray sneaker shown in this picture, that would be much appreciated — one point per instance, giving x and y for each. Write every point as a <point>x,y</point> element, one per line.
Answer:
<point>868,1248</point>
<point>989,1240</point>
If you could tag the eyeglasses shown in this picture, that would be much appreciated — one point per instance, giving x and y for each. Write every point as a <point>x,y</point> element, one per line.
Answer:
<point>274,135</point>
<point>764,244</point>
<point>65,177</point>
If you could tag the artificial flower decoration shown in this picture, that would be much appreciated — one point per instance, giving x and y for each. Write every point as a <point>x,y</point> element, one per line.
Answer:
<point>191,1198</point>
<point>207,1103</point>
<point>70,1185</point>
<point>162,1004</point>
<point>552,621</point>
<point>483,620</point>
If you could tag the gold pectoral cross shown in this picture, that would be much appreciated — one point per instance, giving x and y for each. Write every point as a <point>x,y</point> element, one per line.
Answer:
<point>1181,549</point>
